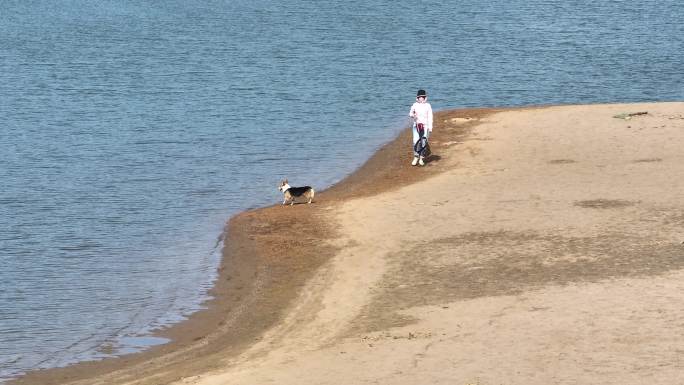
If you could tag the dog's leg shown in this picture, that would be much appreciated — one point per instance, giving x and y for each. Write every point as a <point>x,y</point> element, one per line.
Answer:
<point>284,200</point>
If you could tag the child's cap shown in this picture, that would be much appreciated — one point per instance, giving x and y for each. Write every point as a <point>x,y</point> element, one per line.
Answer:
<point>421,93</point>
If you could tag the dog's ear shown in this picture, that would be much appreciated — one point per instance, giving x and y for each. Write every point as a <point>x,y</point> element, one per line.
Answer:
<point>285,181</point>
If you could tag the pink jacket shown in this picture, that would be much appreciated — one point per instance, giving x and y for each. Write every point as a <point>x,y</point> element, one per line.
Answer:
<point>422,113</point>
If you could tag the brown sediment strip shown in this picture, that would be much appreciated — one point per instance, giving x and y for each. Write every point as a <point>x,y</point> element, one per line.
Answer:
<point>268,256</point>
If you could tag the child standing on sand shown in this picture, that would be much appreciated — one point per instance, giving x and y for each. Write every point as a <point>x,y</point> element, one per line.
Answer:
<point>421,112</point>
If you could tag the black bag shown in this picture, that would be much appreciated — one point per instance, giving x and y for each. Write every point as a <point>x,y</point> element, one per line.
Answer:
<point>427,151</point>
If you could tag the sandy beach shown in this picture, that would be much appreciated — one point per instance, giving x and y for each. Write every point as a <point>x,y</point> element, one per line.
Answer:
<point>540,245</point>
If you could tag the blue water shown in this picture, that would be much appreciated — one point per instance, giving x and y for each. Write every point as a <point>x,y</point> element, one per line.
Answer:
<point>130,131</point>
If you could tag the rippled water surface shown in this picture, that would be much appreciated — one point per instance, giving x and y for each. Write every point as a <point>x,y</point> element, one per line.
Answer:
<point>130,131</point>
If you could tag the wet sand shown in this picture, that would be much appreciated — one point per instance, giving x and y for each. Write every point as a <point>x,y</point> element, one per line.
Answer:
<point>538,246</point>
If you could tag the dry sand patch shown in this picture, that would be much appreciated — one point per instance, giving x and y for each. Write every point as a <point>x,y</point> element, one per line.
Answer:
<point>547,251</point>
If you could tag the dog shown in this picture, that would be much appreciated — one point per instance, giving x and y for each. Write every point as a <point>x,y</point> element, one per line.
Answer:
<point>291,194</point>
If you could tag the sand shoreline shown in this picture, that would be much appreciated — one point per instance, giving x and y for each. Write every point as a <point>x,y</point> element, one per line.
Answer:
<point>530,210</point>
<point>239,284</point>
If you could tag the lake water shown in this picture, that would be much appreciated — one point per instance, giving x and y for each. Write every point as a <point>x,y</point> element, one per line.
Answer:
<point>130,131</point>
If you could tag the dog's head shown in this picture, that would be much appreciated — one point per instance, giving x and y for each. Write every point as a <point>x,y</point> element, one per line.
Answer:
<point>283,185</point>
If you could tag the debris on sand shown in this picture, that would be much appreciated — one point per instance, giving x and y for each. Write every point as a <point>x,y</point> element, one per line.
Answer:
<point>628,115</point>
